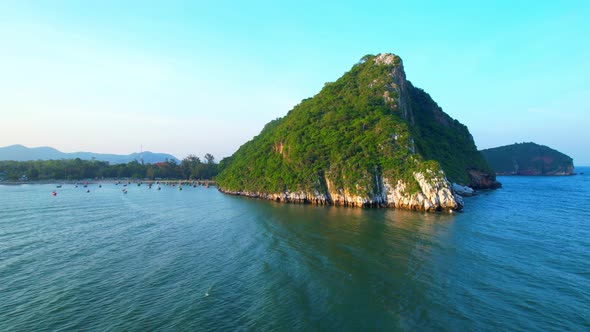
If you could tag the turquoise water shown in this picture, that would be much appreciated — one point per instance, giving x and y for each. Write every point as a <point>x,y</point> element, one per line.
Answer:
<point>516,259</point>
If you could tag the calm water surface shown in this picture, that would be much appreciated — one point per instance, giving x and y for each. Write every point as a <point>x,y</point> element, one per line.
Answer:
<point>516,259</point>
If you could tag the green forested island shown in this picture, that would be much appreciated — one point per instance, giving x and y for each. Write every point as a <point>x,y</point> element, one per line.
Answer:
<point>190,167</point>
<point>528,159</point>
<point>369,139</point>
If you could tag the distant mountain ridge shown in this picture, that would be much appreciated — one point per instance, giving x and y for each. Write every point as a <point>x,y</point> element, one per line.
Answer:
<point>19,152</point>
<point>528,159</point>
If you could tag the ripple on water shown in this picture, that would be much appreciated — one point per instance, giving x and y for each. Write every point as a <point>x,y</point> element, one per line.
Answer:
<point>516,259</point>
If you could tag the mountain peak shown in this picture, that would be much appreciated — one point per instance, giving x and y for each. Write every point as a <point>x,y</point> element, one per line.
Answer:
<point>387,59</point>
<point>14,146</point>
<point>368,139</point>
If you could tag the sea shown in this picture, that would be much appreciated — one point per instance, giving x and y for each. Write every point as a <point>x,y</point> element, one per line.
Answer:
<point>516,259</point>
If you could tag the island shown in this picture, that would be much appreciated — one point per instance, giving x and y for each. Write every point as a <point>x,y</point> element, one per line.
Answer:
<point>369,139</point>
<point>528,159</point>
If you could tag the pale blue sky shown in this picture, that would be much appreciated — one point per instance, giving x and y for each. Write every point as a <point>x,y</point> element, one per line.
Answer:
<point>195,77</point>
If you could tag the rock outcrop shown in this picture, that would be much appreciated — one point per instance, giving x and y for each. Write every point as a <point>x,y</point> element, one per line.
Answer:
<point>370,139</point>
<point>463,190</point>
<point>482,180</point>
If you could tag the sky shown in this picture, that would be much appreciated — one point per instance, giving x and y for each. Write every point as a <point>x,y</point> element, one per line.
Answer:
<point>192,77</point>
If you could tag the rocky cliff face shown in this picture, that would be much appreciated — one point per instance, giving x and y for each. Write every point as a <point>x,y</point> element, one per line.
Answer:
<point>482,180</point>
<point>369,139</point>
<point>436,194</point>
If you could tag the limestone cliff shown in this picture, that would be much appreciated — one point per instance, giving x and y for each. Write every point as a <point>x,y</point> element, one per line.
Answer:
<point>369,139</point>
<point>436,194</point>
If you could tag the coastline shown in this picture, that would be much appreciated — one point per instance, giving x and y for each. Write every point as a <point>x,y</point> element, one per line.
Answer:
<point>105,181</point>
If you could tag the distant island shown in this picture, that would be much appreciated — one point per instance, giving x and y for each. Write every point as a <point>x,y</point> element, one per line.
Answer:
<point>528,159</point>
<point>369,139</point>
<point>22,153</point>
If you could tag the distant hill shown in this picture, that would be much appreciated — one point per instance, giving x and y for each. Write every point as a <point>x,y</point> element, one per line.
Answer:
<point>22,153</point>
<point>528,159</point>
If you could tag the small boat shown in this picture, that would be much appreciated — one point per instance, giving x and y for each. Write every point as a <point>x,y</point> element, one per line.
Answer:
<point>54,193</point>
<point>179,188</point>
<point>87,191</point>
<point>159,188</point>
<point>124,191</point>
<point>100,185</point>
<point>58,186</point>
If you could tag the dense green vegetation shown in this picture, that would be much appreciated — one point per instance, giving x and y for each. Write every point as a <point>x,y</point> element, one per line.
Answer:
<point>190,167</point>
<point>439,137</point>
<point>351,133</point>
<point>528,159</point>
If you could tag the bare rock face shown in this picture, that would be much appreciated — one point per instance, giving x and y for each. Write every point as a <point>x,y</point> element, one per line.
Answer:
<point>463,190</point>
<point>398,85</point>
<point>436,194</point>
<point>438,190</point>
<point>386,59</point>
